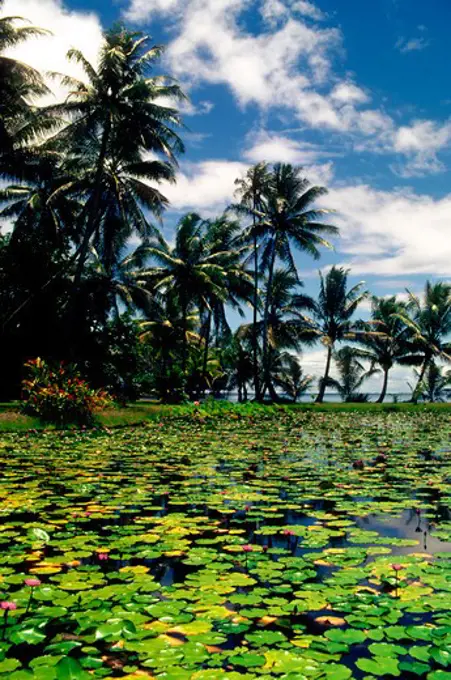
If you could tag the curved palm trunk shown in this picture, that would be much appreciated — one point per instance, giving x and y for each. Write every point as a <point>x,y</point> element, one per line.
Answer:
<point>255,330</point>
<point>427,359</point>
<point>322,388</point>
<point>266,367</point>
<point>384,387</point>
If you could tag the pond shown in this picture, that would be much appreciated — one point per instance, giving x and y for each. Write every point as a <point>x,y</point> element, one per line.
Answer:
<point>288,544</point>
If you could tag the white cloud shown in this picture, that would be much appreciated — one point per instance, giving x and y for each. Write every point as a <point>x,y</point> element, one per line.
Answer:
<point>397,233</point>
<point>207,186</point>
<point>420,142</point>
<point>274,148</point>
<point>412,44</point>
<point>288,65</point>
<point>69,28</point>
<point>141,10</point>
<point>348,92</point>
<point>308,9</point>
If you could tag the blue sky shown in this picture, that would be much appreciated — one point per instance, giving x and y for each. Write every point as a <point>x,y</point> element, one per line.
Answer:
<point>356,92</point>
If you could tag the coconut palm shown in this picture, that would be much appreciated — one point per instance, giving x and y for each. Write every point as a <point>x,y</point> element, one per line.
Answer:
<point>331,315</point>
<point>223,236</point>
<point>286,327</point>
<point>387,338</point>
<point>429,323</point>
<point>352,374</point>
<point>250,191</point>
<point>117,111</point>
<point>290,221</point>
<point>434,383</point>
<point>287,373</point>
<point>126,194</point>
<point>20,84</point>
<point>35,206</point>
<point>189,270</point>
<point>237,357</point>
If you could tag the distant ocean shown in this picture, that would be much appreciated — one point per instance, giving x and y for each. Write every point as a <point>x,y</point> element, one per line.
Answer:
<point>335,397</point>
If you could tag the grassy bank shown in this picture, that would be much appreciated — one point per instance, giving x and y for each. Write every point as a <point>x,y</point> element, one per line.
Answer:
<point>11,420</point>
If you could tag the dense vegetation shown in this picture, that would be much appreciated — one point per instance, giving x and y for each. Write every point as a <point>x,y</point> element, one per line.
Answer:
<point>82,181</point>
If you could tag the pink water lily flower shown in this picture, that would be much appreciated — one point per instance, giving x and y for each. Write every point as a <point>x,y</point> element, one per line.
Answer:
<point>32,582</point>
<point>8,606</point>
<point>288,532</point>
<point>248,548</point>
<point>102,556</point>
<point>397,567</point>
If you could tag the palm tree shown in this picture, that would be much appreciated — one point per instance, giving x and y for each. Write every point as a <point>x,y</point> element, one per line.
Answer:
<point>237,359</point>
<point>387,338</point>
<point>250,191</point>
<point>222,237</point>
<point>286,326</point>
<point>287,374</point>
<point>434,383</point>
<point>126,193</point>
<point>35,205</point>
<point>117,112</point>
<point>189,270</point>
<point>429,323</point>
<point>122,281</point>
<point>332,313</point>
<point>290,221</point>
<point>20,84</point>
<point>352,374</point>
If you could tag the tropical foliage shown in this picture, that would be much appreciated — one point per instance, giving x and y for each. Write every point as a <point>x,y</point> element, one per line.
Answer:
<point>89,274</point>
<point>59,394</point>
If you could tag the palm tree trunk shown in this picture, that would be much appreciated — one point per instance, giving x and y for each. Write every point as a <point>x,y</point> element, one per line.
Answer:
<point>322,387</point>
<point>266,371</point>
<point>206,349</point>
<point>184,339</point>
<point>255,331</point>
<point>384,387</point>
<point>426,361</point>
<point>94,217</point>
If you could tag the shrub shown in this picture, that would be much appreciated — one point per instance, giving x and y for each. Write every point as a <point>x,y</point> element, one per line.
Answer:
<point>59,395</point>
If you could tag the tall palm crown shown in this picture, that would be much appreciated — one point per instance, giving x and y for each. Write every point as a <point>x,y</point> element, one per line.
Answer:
<point>20,84</point>
<point>332,313</point>
<point>429,322</point>
<point>116,112</point>
<point>352,373</point>
<point>250,190</point>
<point>190,270</point>
<point>290,221</point>
<point>387,338</point>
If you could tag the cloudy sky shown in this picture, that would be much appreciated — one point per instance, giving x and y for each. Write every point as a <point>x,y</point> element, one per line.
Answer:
<point>356,92</point>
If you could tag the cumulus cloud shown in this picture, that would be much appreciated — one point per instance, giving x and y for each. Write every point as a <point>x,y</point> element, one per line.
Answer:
<point>274,148</point>
<point>69,28</point>
<point>393,233</point>
<point>206,186</point>
<point>288,65</point>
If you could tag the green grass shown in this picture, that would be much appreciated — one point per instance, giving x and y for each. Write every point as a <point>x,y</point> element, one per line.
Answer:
<point>11,420</point>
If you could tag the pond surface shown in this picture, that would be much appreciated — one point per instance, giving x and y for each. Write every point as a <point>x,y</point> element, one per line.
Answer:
<point>289,545</point>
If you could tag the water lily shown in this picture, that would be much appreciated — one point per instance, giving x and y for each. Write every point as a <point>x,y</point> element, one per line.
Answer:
<point>31,583</point>
<point>102,556</point>
<point>397,568</point>
<point>7,607</point>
